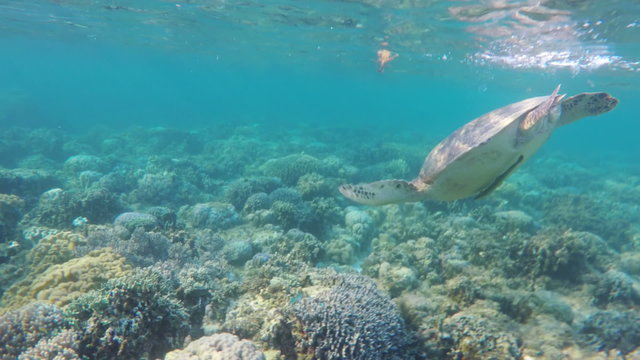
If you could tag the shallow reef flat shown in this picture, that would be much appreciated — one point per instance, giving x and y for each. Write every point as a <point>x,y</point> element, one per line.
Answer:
<point>233,242</point>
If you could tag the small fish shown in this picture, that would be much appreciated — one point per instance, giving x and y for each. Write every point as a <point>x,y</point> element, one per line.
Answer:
<point>385,56</point>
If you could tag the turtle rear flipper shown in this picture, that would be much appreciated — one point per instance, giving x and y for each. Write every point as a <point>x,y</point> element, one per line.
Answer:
<point>382,192</point>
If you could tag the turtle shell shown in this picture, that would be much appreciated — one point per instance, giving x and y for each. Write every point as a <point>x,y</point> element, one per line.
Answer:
<point>469,159</point>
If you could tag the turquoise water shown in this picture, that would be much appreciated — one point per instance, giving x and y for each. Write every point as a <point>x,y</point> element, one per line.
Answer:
<point>178,103</point>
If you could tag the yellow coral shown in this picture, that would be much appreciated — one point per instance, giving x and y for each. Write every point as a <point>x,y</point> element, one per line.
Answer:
<point>7,200</point>
<point>61,283</point>
<point>53,249</point>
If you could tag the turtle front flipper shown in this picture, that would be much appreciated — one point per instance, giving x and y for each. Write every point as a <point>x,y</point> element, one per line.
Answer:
<point>382,192</point>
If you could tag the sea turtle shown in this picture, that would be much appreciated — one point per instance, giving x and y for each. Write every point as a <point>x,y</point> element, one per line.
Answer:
<point>476,158</point>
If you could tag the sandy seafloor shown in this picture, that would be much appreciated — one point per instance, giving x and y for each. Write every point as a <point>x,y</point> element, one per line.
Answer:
<point>169,185</point>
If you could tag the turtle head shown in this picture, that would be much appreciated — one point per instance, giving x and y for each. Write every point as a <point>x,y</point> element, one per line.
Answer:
<point>586,104</point>
<point>382,192</point>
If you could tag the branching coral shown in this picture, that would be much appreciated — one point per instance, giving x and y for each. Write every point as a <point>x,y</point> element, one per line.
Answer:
<point>131,316</point>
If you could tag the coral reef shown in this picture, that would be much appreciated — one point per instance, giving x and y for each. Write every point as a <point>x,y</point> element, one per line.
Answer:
<point>61,283</point>
<point>209,287</point>
<point>239,190</point>
<point>476,337</point>
<point>58,208</point>
<point>83,162</point>
<point>62,346</point>
<point>23,329</point>
<point>290,168</point>
<point>134,220</point>
<point>608,330</point>
<point>130,317</point>
<point>350,318</point>
<point>11,208</point>
<point>214,215</point>
<point>141,248</point>
<point>148,238</point>
<point>52,249</point>
<point>26,183</point>
<point>219,346</point>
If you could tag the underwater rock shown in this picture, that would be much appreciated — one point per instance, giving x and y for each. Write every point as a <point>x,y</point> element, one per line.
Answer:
<point>26,183</point>
<point>252,316</point>
<point>60,284</point>
<point>470,336</point>
<point>238,251</point>
<point>286,194</point>
<point>257,201</point>
<point>212,215</point>
<point>157,189</point>
<point>87,178</point>
<point>630,263</point>
<point>514,220</point>
<point>97,204</point>
<point>548,302</point>
<point>239,190</point>
<point>290,168</point>
<point>296,245</point>
<point>134,220</point>
<point>351,319</point>
<point>23,328</point>
<point>600,216</point>
<point>58,208</point>
<point>616,287</point>
<point>342,248</point>
<point>140,249</point>
<point>79,163</point>
<point>315,185</point>
<point>566,255</point>
<point>130,317</point>
<point>218,346</point>
<point>208,286</point>
<point>609,330</point>
<point>11,208</point>
<point>286,214</point>
<point>392,169</point>
<point>396,279</point>
<point>421,256</point>
<point>167,218</point>
<point>359,223</point>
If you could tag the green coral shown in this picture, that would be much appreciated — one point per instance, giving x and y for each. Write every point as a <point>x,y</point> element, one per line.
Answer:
<point>134,316</point>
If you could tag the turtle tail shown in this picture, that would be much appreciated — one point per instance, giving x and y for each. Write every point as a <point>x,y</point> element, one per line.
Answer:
<point>382,192</point>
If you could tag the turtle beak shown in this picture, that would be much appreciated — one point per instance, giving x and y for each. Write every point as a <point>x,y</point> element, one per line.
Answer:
<point>610,103</point>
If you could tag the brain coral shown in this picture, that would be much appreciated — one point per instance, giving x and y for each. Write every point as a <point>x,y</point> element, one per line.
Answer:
<point>218,346</point>
<point>290,168</point>
<point>352,319</point>
<point>55,248</point>
<point>61,283</point>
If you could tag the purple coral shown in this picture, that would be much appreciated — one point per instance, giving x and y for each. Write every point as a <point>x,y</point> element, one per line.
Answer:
<point>353,320</point>
<point>218,346</point>
<point>23,328</point>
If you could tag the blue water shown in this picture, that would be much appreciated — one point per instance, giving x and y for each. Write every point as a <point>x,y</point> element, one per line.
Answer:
<point>304,68</point>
